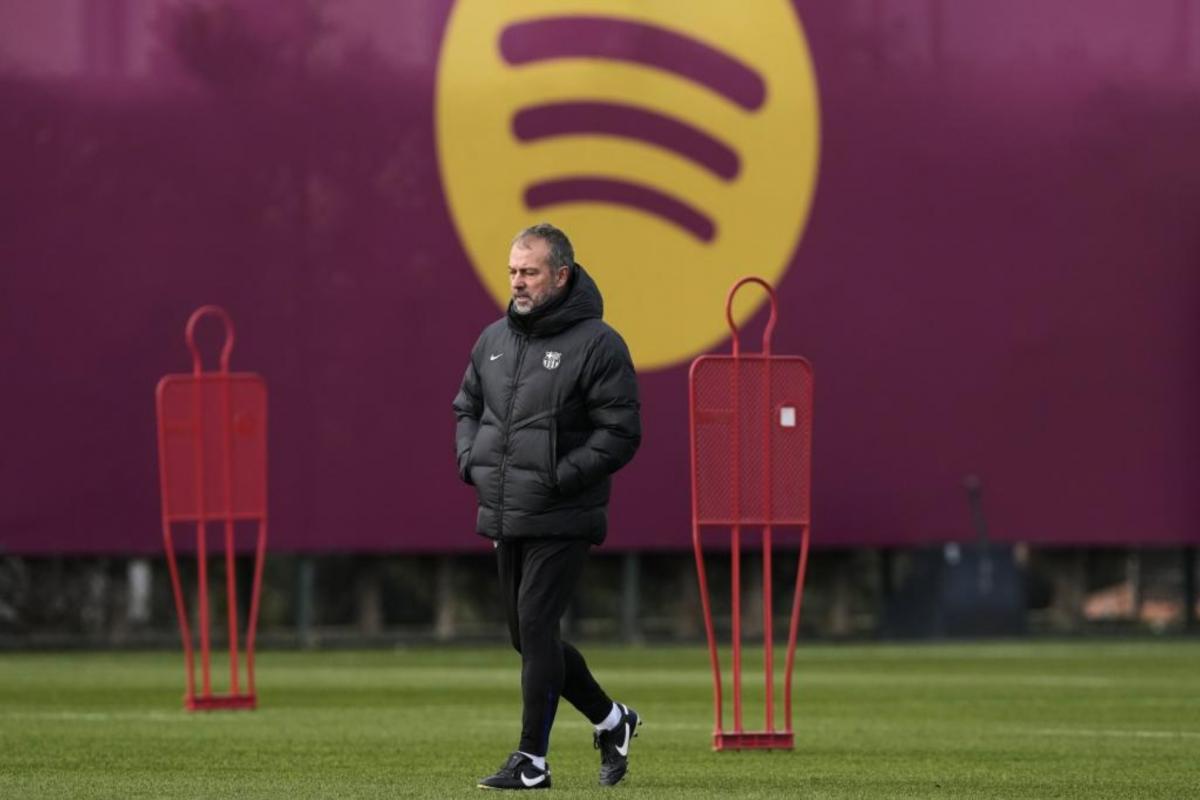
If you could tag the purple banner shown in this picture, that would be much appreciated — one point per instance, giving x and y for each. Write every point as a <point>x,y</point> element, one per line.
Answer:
<point>981,222</point>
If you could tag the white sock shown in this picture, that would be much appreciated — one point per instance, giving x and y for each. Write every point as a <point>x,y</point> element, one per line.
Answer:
<point>538,761</point>
<point>612,720</point>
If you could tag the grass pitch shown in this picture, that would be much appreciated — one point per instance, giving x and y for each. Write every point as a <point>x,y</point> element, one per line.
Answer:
<point>1013,720</point>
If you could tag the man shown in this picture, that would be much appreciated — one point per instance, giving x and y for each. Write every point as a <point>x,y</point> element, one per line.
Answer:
<point>548,410</point>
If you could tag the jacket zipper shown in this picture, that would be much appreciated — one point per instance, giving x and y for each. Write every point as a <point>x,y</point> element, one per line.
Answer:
<point>512,399</point>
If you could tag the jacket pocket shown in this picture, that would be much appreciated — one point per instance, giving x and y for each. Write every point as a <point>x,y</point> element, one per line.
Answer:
<point>464,467</point>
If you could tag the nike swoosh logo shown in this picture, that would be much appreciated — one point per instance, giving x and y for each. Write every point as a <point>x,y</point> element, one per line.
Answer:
<point>623,749</point>
<point>493,358</point>
<point>533,782</point>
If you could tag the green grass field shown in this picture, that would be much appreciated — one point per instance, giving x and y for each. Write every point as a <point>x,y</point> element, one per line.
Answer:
<point>1020,720</point>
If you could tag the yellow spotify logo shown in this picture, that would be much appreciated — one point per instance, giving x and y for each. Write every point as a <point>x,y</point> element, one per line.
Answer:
<point>675,143</point>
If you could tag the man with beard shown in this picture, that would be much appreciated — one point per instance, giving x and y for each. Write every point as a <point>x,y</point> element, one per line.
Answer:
<point>547,411</point>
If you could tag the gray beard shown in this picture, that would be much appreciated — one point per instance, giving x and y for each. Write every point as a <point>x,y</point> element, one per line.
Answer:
<point>534,306</point>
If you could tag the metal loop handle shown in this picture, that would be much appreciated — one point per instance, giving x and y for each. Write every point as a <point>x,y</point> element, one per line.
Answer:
<point>766,340</point>
<point>190,336</point>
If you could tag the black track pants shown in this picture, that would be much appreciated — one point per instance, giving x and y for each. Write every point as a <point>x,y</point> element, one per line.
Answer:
<point>538,578</point>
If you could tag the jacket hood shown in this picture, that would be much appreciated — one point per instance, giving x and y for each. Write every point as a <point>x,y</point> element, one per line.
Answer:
<point>580,301</point>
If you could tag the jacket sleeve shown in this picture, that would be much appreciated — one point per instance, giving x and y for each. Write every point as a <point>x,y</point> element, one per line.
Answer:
<point>468,407</point>
<point>611,396</point>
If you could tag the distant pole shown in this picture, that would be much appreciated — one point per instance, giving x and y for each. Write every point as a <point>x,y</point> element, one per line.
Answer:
<point>1133,573</point>
<point>306,584</point>
<point>140,579</point>
<point>631,612</point>
<point>444,621</point>
<point>1190,622</point>
<point>974,486</point>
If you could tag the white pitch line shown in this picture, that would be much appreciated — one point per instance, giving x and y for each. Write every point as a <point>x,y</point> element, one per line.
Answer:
<point>1118,733</point>
<point>95,716</point>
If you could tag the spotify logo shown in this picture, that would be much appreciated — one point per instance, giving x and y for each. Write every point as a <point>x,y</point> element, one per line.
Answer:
<point>676,143</point>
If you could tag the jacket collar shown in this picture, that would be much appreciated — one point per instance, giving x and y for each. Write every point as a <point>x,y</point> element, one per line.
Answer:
<point>580,301</point>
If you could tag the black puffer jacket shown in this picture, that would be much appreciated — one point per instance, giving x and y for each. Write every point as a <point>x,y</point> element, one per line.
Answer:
<point>548,410</point>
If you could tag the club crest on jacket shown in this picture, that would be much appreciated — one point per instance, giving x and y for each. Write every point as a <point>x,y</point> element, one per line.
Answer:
<point>552,359</point>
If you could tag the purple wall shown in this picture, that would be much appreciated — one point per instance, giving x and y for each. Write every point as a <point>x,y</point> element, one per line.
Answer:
<point>1000,275</point>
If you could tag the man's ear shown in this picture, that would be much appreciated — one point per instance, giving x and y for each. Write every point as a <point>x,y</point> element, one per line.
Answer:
<point>560,279</point>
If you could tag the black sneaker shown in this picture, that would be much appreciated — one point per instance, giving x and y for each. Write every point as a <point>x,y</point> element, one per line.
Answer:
<point>519,772</point>
<point>614,746</point>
